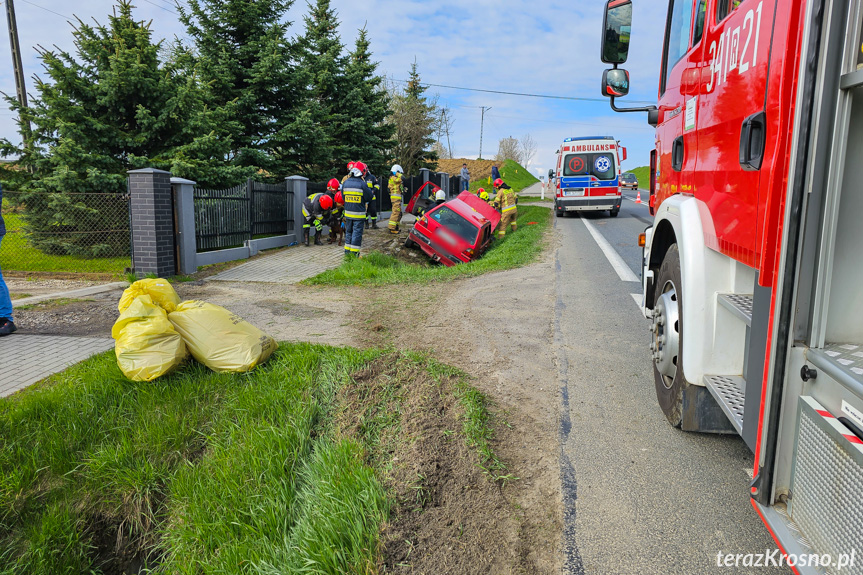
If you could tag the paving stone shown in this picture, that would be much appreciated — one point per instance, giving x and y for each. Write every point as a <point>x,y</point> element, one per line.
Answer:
<point>26,359</point>
<point>288,266</point>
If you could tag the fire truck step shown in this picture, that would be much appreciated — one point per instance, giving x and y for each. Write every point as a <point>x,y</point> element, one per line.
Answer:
<point>728,392</point>
<point>738,304</point>
<point>841,361</point>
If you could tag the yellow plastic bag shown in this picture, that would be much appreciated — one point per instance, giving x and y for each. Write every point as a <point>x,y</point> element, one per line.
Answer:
<point>220,339</point>
<point>159,290</point>
<point>146,344</point>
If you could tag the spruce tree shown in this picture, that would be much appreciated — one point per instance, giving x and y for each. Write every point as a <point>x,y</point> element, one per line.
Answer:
<point>243,57</point>
<point>368,135</point>
<point>322,67</point>
<point>413,118</point>
<point>109,108</point>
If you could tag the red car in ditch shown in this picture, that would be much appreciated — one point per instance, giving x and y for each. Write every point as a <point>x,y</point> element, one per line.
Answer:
<point>457,231</point>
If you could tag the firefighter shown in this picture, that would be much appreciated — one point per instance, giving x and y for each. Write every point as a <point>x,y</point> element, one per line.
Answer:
<point>505,201</point>
<point>333,186</point>
<point>372,209</point>
<point>350,167</point>
<point>483,195</point>
<point>337,218</point>
<point>357,196</point>
<point>396,187</point>
<point>316,208</point>
<point>439,198</point>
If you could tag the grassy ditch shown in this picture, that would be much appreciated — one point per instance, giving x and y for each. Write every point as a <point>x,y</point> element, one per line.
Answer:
<point>515,250</point>
<point>206,473</point>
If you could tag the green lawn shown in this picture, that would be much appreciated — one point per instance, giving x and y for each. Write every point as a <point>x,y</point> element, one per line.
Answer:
<point>201,472</point>
<point>643,175</point>
<point>16,254</point>
<point>515,250</point>
<point>514,174</point>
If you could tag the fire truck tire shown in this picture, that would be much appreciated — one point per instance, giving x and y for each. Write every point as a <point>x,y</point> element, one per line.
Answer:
<point>613,213</point>
<point>667,343</point>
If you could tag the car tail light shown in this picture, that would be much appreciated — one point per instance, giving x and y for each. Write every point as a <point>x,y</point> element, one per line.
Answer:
<point>469,252</point>
<point>423,220</point>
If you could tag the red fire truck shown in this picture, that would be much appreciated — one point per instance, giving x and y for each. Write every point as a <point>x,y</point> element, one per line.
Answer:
<point>753,267</point>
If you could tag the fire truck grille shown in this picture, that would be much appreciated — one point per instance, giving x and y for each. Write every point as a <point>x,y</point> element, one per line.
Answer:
<point>828,480</point>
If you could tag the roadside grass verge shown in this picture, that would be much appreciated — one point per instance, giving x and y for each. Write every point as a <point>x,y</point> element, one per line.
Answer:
<point>515,250</point>
<point>19,256</point>
<point>200,472</point>
<point>197,472</point>
<point>514,174</point>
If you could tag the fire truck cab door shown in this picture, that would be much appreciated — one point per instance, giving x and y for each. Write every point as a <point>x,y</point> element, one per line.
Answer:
<point>731,121</point>
<point>682,54</point>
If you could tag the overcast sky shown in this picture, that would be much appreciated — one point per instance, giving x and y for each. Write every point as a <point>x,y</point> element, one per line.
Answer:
<point>546,47</point>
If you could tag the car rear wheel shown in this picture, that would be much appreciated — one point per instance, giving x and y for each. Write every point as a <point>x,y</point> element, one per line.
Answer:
<point>667,346</point>
<point>409,243</point>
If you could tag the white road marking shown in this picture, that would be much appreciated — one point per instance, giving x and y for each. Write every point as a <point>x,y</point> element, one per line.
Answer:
<point>611,254</point>
<point>637,297</point>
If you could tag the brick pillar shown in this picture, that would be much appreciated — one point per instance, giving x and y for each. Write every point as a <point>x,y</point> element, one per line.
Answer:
<point>152,222</point>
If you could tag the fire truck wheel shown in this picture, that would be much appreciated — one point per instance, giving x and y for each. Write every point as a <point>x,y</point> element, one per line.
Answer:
<point>667,341</point>
<point>613,213</point>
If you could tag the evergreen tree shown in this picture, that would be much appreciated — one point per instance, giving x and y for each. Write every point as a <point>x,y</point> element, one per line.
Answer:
<point>112,108</point>
<point>323,68</point>
<point>413,118</point>
<point>243,57</point>
<point>368,135</point>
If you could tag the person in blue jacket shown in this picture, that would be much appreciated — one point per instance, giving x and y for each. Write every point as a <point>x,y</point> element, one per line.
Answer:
<point>357,195</point>
<point>7,326</point>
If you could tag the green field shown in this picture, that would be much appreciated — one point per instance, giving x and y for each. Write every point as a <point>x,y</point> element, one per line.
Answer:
<point>515,250</point>
<point>17,255</point>
<point>200,472</point>
<point>514,174</point>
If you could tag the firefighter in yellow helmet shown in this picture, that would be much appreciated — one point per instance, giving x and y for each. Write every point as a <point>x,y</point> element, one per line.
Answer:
<point>505,201</point>
<point>396,188</point>
<point>483,195</point>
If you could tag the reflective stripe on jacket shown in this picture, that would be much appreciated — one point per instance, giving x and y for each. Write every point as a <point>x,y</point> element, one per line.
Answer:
<point>395,187</point>
<point>312,207</point>
<point>357,194</point>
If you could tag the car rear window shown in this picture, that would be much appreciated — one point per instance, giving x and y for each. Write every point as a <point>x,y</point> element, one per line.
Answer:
<point>456,223</point>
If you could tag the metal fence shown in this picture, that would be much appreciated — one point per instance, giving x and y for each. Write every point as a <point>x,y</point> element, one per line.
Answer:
<point>66,232</point>
<point>227,218</point>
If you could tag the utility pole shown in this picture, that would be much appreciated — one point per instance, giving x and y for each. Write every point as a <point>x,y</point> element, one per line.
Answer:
<point>18,69</point>
<point>446,127</point>
<point>482,127</point>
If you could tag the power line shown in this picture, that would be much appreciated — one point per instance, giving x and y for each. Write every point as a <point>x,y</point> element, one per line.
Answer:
<point>160,6</point>
<point>47,10</point>
<point>523,94</point>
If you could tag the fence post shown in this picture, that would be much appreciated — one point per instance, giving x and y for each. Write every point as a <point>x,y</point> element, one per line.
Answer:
<point>251,197</point>
<point>152,217</point>
<point>184,214</point>
<point>444,184</point>
<point>298,186</point>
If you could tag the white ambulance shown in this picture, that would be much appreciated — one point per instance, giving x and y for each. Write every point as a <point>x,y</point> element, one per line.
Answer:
<point>586,175</point>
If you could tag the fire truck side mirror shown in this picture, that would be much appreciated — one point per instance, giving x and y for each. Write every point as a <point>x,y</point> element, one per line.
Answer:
<point>615,83</point>
<point>550,174</point>
<point>616,29</point>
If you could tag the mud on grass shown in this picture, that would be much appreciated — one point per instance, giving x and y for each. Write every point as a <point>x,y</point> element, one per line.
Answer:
<point>432,439</point>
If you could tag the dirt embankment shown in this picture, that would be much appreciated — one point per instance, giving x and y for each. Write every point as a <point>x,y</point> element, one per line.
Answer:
<point>478,168</point>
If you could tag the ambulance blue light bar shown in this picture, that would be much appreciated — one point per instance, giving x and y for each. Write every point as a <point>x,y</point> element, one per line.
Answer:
<point>589,138</point>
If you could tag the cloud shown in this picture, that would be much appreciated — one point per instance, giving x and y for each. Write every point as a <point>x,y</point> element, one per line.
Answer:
<point>544,48</point>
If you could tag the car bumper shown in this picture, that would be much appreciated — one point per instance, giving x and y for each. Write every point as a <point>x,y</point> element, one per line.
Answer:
<point>587,203</point>
<point>433,250</point>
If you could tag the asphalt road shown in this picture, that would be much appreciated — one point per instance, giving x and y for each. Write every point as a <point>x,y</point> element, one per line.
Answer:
<point>639,495</point>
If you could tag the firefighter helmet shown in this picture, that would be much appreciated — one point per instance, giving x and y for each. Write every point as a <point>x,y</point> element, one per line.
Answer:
<point>326,202</point>
<point>440,195</point>
<point>350,166</point>
<point>361,167</point>
<point>483,195</point>
<point>498,183</point>
<point>397,169</point>
<point>340,199</point>
<point>333,184</point>
<point>480,192</point>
